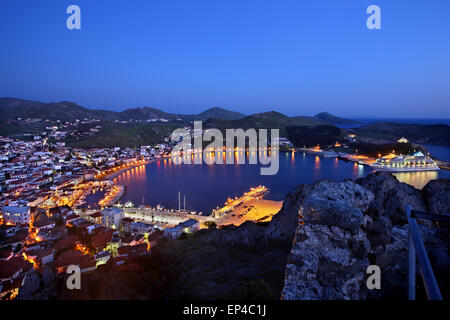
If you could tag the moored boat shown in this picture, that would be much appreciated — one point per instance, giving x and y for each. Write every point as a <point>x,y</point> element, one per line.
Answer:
<point>400,163</point>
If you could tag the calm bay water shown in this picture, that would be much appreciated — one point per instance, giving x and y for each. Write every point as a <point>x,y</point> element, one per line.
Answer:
<point>207,186</point>
<point>440,152</point>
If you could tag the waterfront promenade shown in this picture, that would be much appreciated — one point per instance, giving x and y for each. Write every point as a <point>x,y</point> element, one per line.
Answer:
<point>114,172</point>
<point>251,209</point>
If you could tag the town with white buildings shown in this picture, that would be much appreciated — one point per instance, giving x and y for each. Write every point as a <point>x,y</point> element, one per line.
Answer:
<point>41,223</point>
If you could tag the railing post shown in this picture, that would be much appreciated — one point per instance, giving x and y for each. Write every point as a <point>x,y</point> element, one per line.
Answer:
<point>411,260</point>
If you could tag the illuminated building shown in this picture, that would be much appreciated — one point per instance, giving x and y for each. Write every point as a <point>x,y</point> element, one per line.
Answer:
<point>16,215</point>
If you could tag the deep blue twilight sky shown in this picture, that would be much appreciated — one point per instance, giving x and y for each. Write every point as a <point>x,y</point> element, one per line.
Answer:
<point>296,57</point>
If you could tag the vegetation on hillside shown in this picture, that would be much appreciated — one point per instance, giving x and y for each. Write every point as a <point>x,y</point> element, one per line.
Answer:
<point>266,120</point>
<point>420,133</point>
<point>195,267</point>
<point>332,119</point>
<point>376,150</point>
<point>123,135</point>
<point>303,136</point>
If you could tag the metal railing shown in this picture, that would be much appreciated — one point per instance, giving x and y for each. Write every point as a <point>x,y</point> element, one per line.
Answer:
<point>416,249</point>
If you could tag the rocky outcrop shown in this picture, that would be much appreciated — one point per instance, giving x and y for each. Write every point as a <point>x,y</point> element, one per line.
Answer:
<point>345,194</point>
<point>283,224</point>
<point>343,227</point>
<point>402,195</point>
<point>381,184</point>
<point>329,242</point>
<point>437,196</point>
<point>39,285</point>
<point>326,263</point>
<point>391,196</point>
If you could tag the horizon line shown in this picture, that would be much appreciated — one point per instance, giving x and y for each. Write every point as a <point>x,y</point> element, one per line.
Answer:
<point>350,117</point>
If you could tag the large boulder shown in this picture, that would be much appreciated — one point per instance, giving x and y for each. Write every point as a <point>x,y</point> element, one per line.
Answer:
<point>349,196</point>
<point>283,225</point>
<point>342,229</point>
<point>403,194</point>
<point>347,192</point>
<point>380,184</point>
<point>326,263</point>
<point>378,230</point>
<point>391,196</point>
<point>338,204</point>
<point>331,213</point>
<point>329,257</point>
<point>437,196</point>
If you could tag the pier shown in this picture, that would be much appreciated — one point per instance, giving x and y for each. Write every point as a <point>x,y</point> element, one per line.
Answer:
<point>231,204</point>
<point>249,207</point>
<point>112,196</point>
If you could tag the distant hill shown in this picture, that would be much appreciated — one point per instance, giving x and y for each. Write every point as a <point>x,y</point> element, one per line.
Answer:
<point>212,113</point>
<point>220,113</point>
<point>332,119</point>
<point>139,133</point>
<point>13,108</point>
<point>265,120</point>
<point>271,119</point>
<point>125,135</point>
<point>309,121</point>
<point>302,136</point>
<point>419,133</point>
<point>145,113</point>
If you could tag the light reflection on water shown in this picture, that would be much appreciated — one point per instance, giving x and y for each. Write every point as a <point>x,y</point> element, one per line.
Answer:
<point>417,179</point>
<point>208,186</point>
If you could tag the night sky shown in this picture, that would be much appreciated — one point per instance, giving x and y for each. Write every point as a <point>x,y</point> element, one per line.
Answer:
<point>295,57</point>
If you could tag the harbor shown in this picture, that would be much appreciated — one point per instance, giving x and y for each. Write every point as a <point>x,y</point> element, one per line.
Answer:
<point>249,207</point>
<point>112,196</point>
<point>391,162</point>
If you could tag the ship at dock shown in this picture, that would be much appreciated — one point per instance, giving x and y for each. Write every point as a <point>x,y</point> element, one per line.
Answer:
<point>400,163</point>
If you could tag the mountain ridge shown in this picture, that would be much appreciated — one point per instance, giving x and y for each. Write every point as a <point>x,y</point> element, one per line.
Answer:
<point>332,119</point>
<point>13,108</point>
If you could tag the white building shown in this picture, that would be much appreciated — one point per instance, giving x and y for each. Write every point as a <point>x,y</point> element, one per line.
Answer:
<point>16,215</point>
<point>187,226</point>
<point>112,217</point>
<point>140,227</point>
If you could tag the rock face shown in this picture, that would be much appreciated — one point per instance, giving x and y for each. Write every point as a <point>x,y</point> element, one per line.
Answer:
<point>437,196</point>
<point>329,243</point>
<point>343,227</point>
<point>331,213</point>
<point>391,196</point>
<point>344,194</point>
<point>283,224</point>
<point>39,286</point>
<point>326,263</point>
